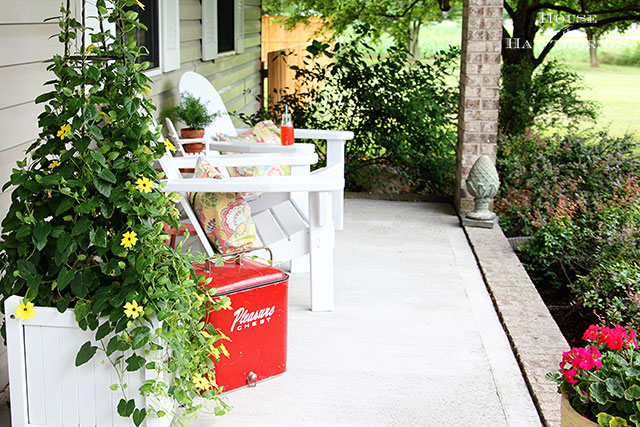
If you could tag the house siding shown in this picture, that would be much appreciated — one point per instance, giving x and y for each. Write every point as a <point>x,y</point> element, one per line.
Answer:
<point>235,76</point>
<point>25,43</point>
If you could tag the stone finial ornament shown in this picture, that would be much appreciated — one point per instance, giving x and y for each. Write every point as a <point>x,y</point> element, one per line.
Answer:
<point>482,184</point>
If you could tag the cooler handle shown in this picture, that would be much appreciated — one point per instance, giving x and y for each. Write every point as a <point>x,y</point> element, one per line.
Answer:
<point>237,256</point>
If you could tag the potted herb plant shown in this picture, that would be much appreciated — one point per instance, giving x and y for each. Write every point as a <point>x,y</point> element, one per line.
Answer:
<point>194,114</point>
<point>84,240</point>
<point>600,383</point>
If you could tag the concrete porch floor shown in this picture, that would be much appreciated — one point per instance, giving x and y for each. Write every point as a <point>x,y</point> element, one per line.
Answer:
<point>414,339</point>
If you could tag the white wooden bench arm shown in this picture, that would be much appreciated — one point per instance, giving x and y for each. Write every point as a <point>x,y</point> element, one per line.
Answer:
<point>230,160</point>
<point>327,135</point>
<point>245,147</point>
<point>269,184</point>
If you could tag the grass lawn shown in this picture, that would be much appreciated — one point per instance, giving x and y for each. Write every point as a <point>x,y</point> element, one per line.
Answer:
<point>617,89</point>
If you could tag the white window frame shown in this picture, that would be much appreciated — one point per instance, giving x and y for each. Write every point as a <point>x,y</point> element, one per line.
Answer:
<point>168,29</point>
<point>210,29</point>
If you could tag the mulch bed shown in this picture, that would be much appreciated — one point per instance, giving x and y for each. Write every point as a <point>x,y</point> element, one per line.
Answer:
<point>573,320</point>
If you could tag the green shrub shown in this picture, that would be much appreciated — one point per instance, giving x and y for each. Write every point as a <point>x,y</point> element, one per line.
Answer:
<point>579,197</point>
<point>542,98</point>
<point>614,291</point>
<point>628,55</point>
<point>403,113</point>
<point>539,174</point>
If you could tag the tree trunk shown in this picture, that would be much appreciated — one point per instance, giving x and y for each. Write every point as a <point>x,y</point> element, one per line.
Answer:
<point>592,40</point>
<point>515,113</point>
<point>414,47</point>
<point>518,63</point>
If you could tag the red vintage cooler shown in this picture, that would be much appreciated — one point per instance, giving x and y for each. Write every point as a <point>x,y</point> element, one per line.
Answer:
<point>256,324</point>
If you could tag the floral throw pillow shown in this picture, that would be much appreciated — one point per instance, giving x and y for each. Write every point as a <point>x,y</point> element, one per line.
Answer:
<point>248,139</point>
<point>265,132</point>
<point>225,217</point>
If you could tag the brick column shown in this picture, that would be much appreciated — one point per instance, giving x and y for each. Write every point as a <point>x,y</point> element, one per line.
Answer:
<point>479,90</point>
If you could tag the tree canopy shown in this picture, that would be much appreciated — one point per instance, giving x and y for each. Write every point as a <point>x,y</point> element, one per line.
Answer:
<point>400,18</point>
<point>519,104</point>
<point>531,16</point>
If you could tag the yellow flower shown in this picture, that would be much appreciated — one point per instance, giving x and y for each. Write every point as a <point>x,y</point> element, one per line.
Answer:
<point>144,185</point>
<point>205,334</point>
<point>105,116</point>
<point>146,90</point>
<point>64,129</point>
<point>223,336</point>
<point>140,4</point>
<point>200,381</point>
<point>132,309</point>
<point>169,145</point>
<point>129,239</point>
<point>53,164</point>
<point>225,303</point>
<point>215,352</point>
<point>89,48</point>
<point>223,349</point>
<point>25,311</point>
<point>213,383</point>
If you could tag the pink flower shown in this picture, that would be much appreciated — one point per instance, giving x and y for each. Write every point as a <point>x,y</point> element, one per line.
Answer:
<point>591,333</point>
<point>570,375</point>
<point>579,360</point>
<point>615,338</point>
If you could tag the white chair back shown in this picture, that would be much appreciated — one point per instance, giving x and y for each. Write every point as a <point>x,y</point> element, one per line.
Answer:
<point>172,173</point>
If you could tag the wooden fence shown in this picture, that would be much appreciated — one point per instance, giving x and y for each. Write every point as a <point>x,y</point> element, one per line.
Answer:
<point>278,43</point>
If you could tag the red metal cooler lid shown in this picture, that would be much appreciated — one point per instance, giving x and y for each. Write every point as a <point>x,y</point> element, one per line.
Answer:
<point>232,277</point>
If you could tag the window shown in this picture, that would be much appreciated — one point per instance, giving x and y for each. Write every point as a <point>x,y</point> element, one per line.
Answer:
<point>162,38</point>
<point>222,27</point>
<point>150,39</point>
<point>226,26</point>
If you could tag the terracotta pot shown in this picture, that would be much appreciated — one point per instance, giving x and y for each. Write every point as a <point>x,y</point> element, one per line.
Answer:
<point>196,147</point>
<point>570,418</point>
<point>192,133</point>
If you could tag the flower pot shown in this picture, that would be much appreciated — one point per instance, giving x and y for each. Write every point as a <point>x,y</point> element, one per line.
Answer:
<point>570,418</point>
<point>192,133</point>
<point>47,389</point>
<point>516,242</point>
<point>195,147</point>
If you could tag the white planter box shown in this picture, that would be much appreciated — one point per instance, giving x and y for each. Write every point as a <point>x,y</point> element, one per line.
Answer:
<point>46,387</point>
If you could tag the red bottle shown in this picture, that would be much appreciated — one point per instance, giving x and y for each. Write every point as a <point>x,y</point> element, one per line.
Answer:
<point>286,128</point>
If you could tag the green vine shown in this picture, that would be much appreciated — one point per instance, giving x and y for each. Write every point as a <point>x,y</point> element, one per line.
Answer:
<point>85,227</point>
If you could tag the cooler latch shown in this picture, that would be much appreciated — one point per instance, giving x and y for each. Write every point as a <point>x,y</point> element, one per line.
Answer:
<point>252,379</point>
